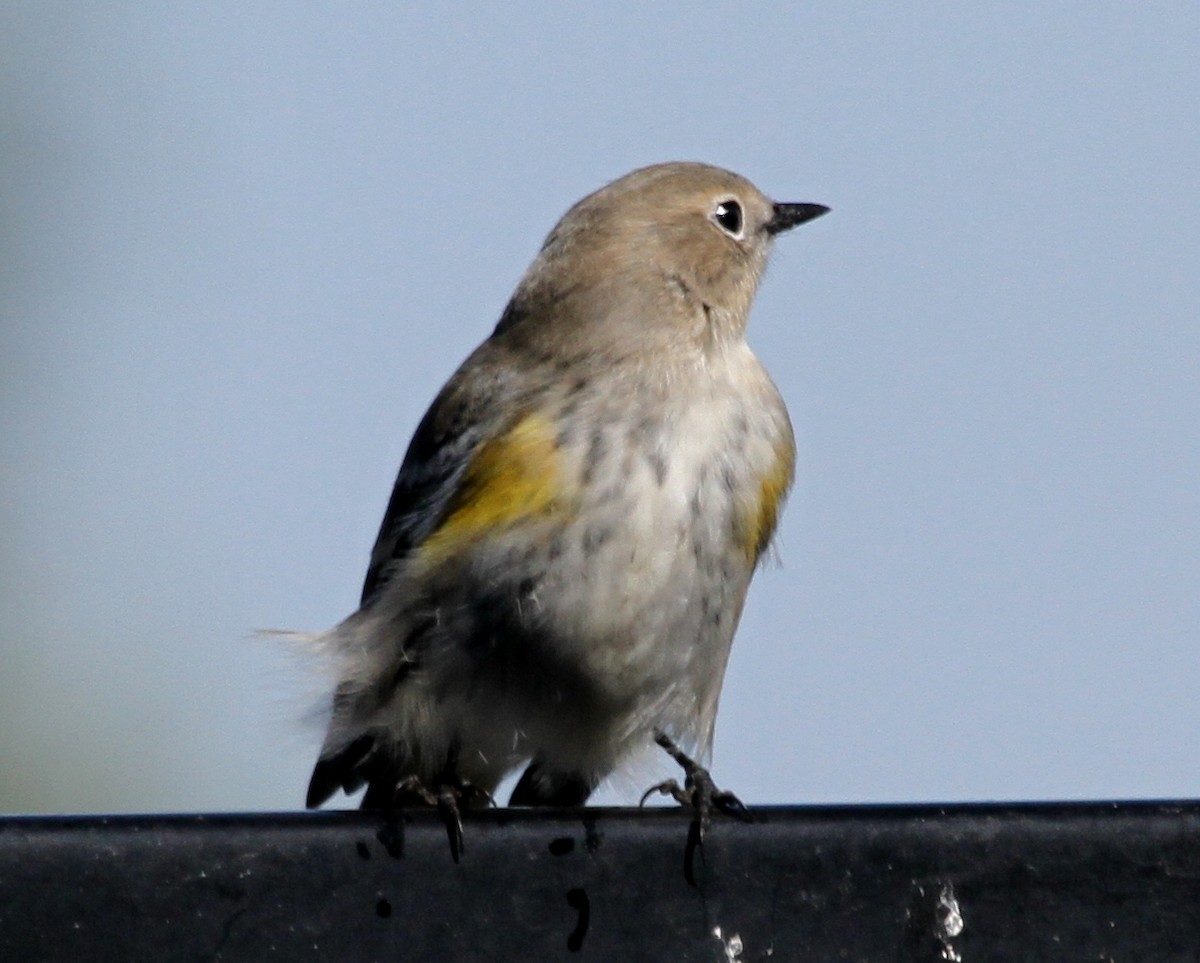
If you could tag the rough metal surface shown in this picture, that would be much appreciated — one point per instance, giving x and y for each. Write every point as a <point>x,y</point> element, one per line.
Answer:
<point>989,882</point>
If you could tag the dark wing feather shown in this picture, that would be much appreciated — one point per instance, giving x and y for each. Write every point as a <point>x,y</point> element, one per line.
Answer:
<point>436,458</point>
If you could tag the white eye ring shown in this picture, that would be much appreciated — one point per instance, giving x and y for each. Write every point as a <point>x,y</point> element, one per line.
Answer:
<point>727,215</point>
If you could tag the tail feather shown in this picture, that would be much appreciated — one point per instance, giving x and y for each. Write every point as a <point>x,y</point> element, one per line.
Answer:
<point>346,770</point>
<point>539,786</point>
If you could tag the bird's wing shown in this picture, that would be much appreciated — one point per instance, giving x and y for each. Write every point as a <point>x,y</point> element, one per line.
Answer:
<point>432,468</point>
<point>477,459</point>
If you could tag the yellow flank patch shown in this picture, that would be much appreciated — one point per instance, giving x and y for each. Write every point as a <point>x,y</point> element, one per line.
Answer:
<point>512,477</point>
<point>764,512</point>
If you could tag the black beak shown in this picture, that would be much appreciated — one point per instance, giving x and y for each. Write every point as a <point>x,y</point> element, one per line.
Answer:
<point>787,216</point>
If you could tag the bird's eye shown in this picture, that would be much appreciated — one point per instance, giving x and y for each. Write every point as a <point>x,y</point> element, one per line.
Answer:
<point>728,214</point>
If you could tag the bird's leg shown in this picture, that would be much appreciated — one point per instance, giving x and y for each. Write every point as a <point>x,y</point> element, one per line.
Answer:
<point>700,794</point>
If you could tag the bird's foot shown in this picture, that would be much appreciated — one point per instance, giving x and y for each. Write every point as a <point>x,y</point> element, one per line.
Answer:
<point>698,793</point>
<point>448,797</point>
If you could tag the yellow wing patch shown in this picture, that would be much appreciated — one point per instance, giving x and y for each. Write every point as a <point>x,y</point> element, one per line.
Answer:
<point>512,477</point>
<point>763,513</point>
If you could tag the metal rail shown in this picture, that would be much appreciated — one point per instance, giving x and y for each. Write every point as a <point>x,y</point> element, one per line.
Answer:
<point>1027,882</point>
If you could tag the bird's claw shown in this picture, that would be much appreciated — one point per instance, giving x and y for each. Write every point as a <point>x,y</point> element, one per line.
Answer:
<point>668,787</point>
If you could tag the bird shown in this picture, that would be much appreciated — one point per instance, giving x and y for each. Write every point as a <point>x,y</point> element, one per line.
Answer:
<point>567,548</point>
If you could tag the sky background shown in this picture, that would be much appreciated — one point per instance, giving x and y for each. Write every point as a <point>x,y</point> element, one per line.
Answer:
<point>242,246</point>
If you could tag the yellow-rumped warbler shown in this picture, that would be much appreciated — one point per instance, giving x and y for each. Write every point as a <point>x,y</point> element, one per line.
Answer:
<point>564,558</point>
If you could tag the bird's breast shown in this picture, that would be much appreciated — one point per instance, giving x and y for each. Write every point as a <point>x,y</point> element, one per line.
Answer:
<point>677,491</point>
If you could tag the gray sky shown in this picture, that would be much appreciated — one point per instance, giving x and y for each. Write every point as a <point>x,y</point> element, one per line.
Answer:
<point>242,247</point>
